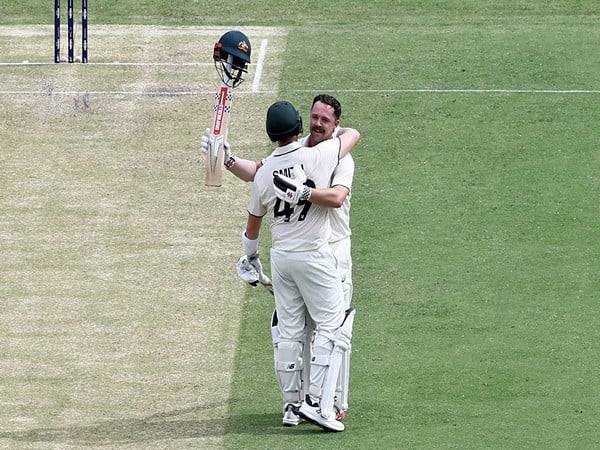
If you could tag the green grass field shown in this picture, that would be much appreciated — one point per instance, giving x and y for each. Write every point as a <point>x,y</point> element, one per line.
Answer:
<point>475,221</point>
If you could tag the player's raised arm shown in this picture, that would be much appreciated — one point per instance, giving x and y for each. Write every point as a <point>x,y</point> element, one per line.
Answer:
<point>244,169</point>
<point>348,137</point>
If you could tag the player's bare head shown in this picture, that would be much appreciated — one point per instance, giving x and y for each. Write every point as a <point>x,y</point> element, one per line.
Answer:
<point>283,121</point>
<point>331,101</point>
<point>324,118</point>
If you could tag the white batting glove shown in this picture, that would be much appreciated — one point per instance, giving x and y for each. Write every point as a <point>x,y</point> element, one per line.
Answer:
<point>292,190</point>
<point>249,269</point>
<point>246,271</point>
<point>262,277</point>
<point>204,141</point>
<point>229,160</point>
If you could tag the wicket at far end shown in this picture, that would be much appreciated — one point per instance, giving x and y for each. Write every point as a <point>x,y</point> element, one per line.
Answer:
<point>71,32</point>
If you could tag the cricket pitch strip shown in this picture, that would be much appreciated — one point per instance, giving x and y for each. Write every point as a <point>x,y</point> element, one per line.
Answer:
<point>121,301</point>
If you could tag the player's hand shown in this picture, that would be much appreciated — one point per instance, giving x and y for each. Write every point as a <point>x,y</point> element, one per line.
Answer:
<point>292,190</point>
<point>204,141</point>
<point>250,270</point>
<point>262,277</point>
<point>204,144</point>
<point>246,271</point>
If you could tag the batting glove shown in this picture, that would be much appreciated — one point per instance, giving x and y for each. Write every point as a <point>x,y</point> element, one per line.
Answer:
<point>262,277</point>
<point>292,190</point>
<point>229,160</point>
<point>246,271</point>
<point>249,269</point>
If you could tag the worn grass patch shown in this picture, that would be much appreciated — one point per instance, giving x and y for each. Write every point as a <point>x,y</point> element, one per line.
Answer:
<point>120,302</point>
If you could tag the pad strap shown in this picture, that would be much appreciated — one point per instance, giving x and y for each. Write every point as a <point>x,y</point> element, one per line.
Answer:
<point>320,360</point>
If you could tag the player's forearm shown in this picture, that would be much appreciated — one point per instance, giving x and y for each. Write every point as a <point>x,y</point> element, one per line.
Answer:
<point>252,228</point>
<point>329,197</point>
<point>349,137</point>
<point>244,169</point>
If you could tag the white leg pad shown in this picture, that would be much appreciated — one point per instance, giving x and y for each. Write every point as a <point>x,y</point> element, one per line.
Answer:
<point>319,364</point>
<point>306,356</point>
<point>289,370</point>
<point>342,339</point>
<point>343,385</point>
<point>288,365</point>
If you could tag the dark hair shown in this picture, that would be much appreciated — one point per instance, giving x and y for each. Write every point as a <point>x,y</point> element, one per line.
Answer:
<point>331,101</point>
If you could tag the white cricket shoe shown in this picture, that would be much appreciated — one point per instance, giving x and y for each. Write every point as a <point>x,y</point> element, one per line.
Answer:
<point>312,412</point>
<point>290,416</point>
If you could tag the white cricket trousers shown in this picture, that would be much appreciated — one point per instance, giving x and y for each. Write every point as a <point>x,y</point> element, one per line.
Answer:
<point>306,281</point>
<point>342,253</point>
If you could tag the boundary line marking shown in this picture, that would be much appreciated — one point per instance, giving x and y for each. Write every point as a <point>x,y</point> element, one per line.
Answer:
<point>259,65</point>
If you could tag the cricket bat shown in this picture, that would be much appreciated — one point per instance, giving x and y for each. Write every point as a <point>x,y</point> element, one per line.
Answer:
<point>218,133</point>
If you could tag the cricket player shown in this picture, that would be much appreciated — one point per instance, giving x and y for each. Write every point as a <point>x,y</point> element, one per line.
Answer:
<point>305,279</point>
<point>324,123</point>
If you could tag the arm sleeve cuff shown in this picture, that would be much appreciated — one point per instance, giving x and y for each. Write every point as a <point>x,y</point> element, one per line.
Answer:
<point>250,245</point>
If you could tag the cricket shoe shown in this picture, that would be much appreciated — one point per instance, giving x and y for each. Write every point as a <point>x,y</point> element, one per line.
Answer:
<point>290,416</point>
<point>312,412</point>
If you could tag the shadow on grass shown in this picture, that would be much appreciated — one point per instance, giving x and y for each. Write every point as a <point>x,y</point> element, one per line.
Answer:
<point>267,424</point>
<point>160,426</point>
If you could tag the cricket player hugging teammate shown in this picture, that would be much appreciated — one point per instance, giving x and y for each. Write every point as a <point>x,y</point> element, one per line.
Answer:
<point>305,279</point>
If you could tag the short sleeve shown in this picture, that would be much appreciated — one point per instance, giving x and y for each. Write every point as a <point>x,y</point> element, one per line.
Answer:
<point>328,153</point>
<point>255,205</point>
<point>344,173</point>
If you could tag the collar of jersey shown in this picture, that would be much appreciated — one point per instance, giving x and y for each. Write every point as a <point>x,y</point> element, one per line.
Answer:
<point>291,147</point>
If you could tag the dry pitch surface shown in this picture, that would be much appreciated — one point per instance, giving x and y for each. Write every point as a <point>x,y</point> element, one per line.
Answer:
<point>120,301</point>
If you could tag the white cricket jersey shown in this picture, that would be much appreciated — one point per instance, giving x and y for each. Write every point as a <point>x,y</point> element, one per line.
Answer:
<point>340,217</point>
<point>304,227</point>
